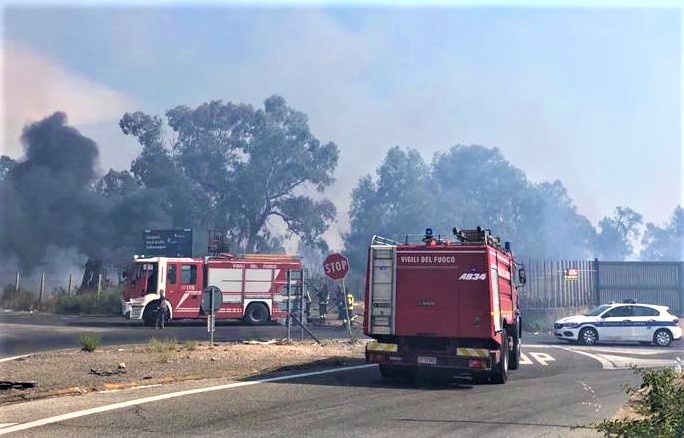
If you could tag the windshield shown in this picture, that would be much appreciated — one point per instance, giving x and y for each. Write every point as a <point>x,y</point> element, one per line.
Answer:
<point>597,311</point>
<point>146,272</point>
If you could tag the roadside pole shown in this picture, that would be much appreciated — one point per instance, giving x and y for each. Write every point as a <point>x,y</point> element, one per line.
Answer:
<point>346,309</point>
<point>16,282</point>
<point>69,286</point>
<point>210,321</point>
<point>42,288</point>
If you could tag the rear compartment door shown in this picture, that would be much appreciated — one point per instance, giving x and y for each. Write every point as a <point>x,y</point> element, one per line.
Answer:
<point>442,294</point>
<point>382,284</point>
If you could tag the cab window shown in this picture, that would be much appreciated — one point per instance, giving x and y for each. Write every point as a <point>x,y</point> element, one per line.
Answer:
<point>188,274</point>
<point>171,274</point>
<point>618,312</point>
<point>645,311</point>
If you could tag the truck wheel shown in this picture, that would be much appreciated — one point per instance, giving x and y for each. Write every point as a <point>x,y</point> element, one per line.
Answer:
<point>514,355</point>
<point>500,372</point>
<point>148,314</point>
<point>256,314</point>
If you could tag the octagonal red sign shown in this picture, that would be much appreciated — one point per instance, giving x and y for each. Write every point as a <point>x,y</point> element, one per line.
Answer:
<point>336,266</point>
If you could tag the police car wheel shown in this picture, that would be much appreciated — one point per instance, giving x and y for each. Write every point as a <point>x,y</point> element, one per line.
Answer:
<point>588,336</point>
<point>662,338</point>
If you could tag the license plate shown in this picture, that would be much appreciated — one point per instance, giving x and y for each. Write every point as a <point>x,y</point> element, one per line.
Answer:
<point>427,360</point>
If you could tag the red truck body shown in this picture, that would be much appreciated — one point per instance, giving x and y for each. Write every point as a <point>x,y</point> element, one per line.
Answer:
<point>443,305</point>
<point>252,286</point>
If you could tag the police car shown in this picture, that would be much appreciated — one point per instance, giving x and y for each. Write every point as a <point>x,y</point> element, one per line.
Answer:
<point>625,321</point>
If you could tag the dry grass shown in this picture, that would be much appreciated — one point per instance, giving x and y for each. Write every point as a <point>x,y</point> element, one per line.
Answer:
<point>161,361</point>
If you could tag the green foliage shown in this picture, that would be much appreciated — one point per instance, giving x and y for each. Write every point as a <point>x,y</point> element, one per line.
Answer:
<point>90,341</point>
<point>659,403</point>
<point>666,243</point>
<point>109,303</point>
<point>616,233</point>
<point>464,187</point>
<point>21,299</point>
<point>234,168</point>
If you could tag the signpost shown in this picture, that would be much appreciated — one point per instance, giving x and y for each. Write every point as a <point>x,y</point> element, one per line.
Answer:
<point>336,267</point>
<point>168,243</point>
<point>212,298</point>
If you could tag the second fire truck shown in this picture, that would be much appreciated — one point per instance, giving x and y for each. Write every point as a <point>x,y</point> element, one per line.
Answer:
<point>252,286</point>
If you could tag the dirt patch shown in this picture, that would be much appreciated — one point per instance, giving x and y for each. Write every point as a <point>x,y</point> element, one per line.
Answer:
<point>73,372</point>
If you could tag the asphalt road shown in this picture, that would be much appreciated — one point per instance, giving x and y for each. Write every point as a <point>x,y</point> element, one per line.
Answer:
<point>24,333</point>
<point>556,392</point>
<point>559,390</point>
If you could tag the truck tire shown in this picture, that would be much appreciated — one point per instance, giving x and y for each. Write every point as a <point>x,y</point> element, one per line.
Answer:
<point>499,373</point>
<point>256,314</point>
<point>148,313</point>
<point>514,354</point>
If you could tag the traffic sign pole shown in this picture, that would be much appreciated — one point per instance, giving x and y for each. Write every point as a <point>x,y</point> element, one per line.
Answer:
<point>336,267</point>
<point>210,321</point>
<point>346,309</point>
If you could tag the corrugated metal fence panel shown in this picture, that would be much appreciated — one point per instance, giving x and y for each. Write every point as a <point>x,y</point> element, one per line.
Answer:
<point>647,282</point>
<point>638,274</point>
<point>546,287</point>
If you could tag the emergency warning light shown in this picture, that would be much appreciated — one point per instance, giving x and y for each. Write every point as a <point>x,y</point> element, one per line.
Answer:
<point>428,235</point>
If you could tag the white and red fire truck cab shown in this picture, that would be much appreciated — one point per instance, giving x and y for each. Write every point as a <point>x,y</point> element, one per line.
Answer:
<point>252,286</point>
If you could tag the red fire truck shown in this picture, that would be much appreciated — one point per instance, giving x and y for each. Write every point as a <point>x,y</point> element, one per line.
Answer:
<point>443,306</point>
<point>252,286</point>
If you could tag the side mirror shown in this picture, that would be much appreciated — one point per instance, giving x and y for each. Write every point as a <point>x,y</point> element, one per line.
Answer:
<point>522,275</point>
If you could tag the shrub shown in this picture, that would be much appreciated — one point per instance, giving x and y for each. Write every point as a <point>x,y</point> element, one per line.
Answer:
<point>109,303</point>
<point>659,407</point>
<point>90,341</point>
<point>21,299</point>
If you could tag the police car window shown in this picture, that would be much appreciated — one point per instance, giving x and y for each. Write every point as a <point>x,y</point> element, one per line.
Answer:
<point>645,311</point>
<point>597,311</point>
<point>618,312</point>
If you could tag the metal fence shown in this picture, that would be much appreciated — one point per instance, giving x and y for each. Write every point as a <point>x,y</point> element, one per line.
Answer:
<point>548,288</point>
<point>648,282</point>
<point>600,282</point>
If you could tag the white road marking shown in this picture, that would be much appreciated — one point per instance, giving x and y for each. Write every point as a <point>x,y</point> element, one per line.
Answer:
<point>607,365</point>
<point>542,358</point>
<point>7,359</point>
<point>140,401</point>
<point>6,425</point>
<point>621,362</point>
<point>524,360</point>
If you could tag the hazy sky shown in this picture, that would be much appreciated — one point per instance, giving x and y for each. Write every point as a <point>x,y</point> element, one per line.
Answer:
<point>590,96</point>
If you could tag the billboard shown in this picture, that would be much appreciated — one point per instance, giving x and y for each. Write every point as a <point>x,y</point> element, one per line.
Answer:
<point>167,243</point>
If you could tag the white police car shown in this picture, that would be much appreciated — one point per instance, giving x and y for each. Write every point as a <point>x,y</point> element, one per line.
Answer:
<point>625,321</point>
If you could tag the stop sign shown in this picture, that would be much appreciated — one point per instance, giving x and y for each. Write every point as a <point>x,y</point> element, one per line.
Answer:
<point>336,266</point>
